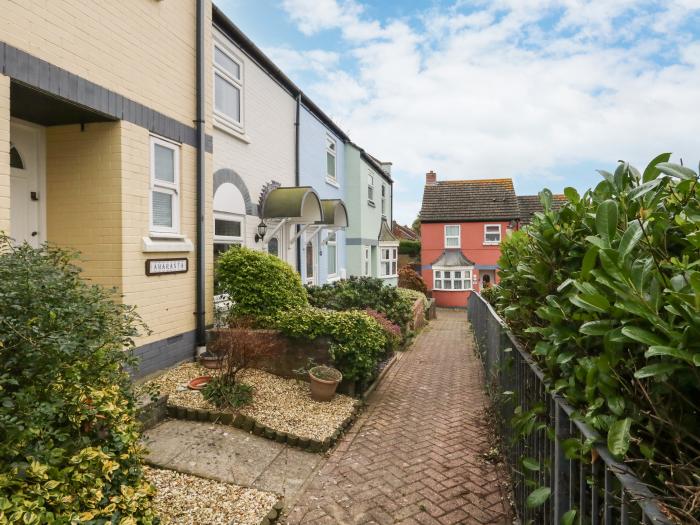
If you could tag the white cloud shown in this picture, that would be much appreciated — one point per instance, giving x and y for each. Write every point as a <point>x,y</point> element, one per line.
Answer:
<point>513,88</point>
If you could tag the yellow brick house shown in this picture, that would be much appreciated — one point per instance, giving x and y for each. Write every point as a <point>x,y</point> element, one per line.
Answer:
<point>105,147</point>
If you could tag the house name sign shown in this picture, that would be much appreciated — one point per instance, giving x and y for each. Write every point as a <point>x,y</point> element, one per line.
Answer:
<point>166,266</point>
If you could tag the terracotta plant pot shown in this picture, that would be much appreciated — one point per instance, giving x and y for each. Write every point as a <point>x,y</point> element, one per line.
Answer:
<point>211,361</point>
<point>323,381</point>
<point>198,382</point>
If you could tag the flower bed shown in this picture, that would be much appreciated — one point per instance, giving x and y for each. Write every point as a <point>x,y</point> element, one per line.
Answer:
<point>281,409</point>
<point>184,499</point>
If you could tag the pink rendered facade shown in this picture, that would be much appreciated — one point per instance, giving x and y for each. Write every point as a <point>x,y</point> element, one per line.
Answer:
<point>483,251</point>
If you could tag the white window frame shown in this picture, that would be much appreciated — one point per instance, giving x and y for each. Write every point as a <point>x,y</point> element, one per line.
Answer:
<point>221,118</point>
<point>465,279</point>
<point>392,260</point>
<point>332,244</point>
<point>384,200</point>
<point>458,236</point>
<point>370,189</point>
<point>172,188</point>
<point>332,149</point>
<point>490,242</point>
<point>229,239</point>
<point>367,261</point>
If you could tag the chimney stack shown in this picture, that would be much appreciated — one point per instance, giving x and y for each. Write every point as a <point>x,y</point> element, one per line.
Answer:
<point>431,177</point>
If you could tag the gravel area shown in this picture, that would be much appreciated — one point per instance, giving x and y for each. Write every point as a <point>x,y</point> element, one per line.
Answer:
<point>182,499</point>
<point>282,404</point>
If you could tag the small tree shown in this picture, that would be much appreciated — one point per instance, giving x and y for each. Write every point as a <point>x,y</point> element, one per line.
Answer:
<point>409,278</point>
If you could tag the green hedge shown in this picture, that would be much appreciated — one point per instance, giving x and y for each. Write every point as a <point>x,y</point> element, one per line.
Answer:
<point>361,293</point>
<point>69,440</point>
<point>357,340</point>
<point>411,248</point>
<point>606,294</point>
<point>259,284</point>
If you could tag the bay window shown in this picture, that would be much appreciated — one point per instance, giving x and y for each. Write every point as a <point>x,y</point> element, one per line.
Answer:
<point>454,279</point>
<point>388,261</point>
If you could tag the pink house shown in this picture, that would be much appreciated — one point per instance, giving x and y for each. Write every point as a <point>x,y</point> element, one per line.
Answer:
<point>462,225</point>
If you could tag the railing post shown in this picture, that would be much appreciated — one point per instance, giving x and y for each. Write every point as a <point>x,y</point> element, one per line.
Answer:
<point>561,467</point>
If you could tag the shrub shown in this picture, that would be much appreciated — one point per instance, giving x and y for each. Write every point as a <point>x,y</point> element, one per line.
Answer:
<point>410,248</point>
<point>391,330</point>
<point>409,278</point>
<point>606,292</point>
<point>357,340</point>
<point>259,284</point>
<point>224,393</point>
<point>411,296</point>
<point>361,293</point>
<point>69,440</point>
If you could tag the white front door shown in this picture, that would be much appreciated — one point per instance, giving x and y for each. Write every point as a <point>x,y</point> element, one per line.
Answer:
<point>310,260</point>
<point>27,195</point>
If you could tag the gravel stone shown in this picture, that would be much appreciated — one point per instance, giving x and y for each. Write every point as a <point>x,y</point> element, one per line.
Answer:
<point>283,405</point>
<point>182,499</point>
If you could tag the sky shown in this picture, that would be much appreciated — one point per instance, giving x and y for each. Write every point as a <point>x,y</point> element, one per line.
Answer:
<point>543,91</point>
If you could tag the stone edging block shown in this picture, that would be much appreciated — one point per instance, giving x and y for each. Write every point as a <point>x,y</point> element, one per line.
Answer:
<point>250,424</point>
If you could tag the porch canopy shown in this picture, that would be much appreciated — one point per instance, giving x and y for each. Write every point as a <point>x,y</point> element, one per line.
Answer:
<point>298,205</point>
<point>335,214</point>
<point>453,258</point>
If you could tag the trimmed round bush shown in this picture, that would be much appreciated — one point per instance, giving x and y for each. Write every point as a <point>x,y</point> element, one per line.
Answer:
<point>69,439</point>
<point>409,278</point>
<point>259,284</point>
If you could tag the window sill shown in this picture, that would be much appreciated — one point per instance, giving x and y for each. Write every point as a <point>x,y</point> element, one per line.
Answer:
<point>332,182</point>
<point>371,203</point>
<point>491,243</point>
<point>388,276</point>
<point>159,244</point>
<point>227,128</point>
<point>441,290</point>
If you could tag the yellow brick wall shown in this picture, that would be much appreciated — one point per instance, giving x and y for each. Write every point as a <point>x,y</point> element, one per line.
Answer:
<point>83,204</point>
<point>4,154</point>
<point>166,302</point>
<point>142,49</point>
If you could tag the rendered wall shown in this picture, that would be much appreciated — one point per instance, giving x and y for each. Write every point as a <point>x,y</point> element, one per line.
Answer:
<point>265,152</point>
<point>4,154</point>
<point>312,171</point>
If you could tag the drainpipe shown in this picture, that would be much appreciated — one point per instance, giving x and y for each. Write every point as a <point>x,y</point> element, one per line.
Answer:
<point>297,176</point>
<point>201,145</point>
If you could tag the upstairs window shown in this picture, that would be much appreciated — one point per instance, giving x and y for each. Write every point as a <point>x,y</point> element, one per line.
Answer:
<point>228,87</point>
<point>332,250</point>
<point>388,261</point>
<point>331,158</point>
<point>165,187</point>
<point>384,200</point>
<point>452,236</point>
<point>370,189</point>
<point>492,233</point>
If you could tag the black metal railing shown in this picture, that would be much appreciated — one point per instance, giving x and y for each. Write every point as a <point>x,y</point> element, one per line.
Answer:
<point>599,489</point>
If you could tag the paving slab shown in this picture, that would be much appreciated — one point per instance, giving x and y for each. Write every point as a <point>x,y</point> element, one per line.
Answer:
<point>229,454</point>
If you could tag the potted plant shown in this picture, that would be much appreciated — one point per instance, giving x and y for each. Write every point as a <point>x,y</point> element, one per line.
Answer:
<point>323,381</point>
<point>210,360</point>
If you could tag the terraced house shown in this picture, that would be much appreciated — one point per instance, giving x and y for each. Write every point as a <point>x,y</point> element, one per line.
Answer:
<point>151,160</point>
<point>105,143</point>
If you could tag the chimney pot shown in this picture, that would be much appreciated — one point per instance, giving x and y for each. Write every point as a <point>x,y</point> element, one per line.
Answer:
<point>431,177</point>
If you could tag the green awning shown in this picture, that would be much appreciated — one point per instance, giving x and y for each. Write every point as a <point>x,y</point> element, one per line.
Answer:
<point>299,205</point>
<point>335,214</point>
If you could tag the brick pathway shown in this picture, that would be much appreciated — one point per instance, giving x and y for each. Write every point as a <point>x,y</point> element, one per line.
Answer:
<point>415,455</point>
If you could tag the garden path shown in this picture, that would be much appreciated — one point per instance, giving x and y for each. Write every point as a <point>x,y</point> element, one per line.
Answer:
<point>418,454</point>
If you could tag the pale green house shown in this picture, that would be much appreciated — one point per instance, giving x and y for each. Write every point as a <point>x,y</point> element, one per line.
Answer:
<point>371,248</point>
